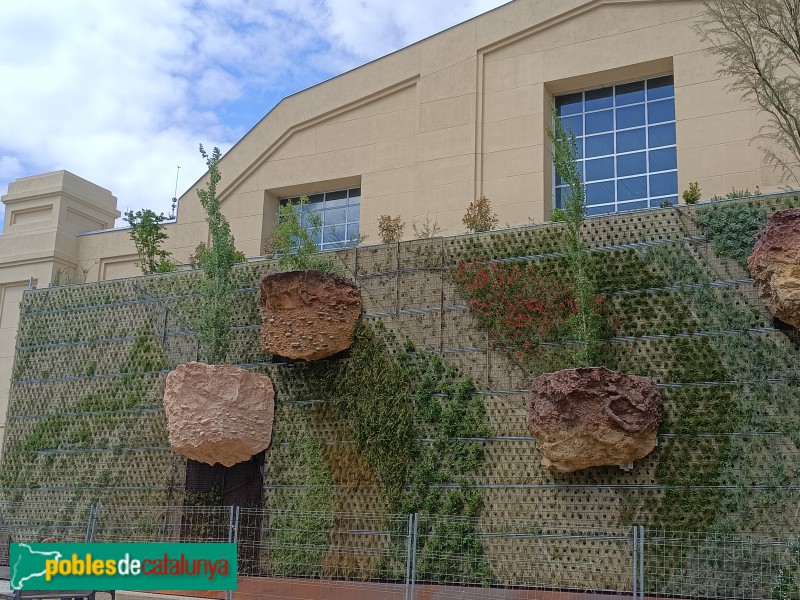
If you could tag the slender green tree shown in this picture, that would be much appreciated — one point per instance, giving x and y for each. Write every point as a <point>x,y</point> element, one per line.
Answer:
<point>587,321</point>
<point>217,261</point>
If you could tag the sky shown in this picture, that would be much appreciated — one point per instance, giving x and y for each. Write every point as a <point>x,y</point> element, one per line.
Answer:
<point>122,93</point>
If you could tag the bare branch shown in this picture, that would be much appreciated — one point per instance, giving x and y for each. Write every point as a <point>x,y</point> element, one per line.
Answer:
<point>757,44</point>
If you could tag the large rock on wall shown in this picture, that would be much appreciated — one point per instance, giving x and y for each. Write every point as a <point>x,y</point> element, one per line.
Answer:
<point>308,315</point>
<point>593,416</point>
<point>775,265</point>
<point>218,413</point>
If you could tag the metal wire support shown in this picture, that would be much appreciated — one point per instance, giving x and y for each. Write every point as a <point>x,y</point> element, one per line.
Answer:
<point>641,560</point>
<point>635,561</point>
<point>409,561</point>
<point>91,523</point>
<point>414,539</point>
<point>233,536</point>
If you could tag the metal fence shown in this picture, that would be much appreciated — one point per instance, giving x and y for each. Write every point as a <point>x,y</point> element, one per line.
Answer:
<point>296,555</point>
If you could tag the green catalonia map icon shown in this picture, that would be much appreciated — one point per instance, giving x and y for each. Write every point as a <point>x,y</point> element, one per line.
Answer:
<point>28,565</point>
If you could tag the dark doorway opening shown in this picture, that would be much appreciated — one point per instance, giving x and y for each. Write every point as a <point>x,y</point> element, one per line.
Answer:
<point>216,485</point>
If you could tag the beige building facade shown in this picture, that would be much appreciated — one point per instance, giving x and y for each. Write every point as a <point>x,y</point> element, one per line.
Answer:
<point>424,131</point>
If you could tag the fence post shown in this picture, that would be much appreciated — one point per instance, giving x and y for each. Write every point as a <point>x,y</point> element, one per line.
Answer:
<point>236,525</point>
<point>414,543</point>
<point>94,510</point>
<point>635,561</point>
<point>641,561</point>
<point>233,538</point>
<point>409,535</point>
<point>165,525</point>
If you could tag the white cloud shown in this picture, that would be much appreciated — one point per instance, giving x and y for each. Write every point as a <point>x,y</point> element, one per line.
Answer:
<point>102,90</point>
<point>10,167</point>
<point>122,92</point>
<point>369,30</point>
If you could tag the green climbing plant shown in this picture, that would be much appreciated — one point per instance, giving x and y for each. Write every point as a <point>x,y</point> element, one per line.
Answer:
<point>217,261</point>
<point>390,398</point>
<point>301,533</point>
<point>371,392</point>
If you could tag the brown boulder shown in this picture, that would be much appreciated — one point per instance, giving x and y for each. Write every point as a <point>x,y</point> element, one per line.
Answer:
<point>593,416</point>
<point>775,265</point>
<point>218,413</point>
<point>308,315</point>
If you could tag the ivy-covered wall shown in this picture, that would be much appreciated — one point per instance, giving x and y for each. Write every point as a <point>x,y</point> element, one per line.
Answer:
<point>429,413</point>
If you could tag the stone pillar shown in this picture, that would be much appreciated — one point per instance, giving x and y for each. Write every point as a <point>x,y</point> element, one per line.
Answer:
<point>43,216</point>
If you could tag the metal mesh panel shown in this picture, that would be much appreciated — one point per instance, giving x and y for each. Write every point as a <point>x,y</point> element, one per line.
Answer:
<point>86,422</point>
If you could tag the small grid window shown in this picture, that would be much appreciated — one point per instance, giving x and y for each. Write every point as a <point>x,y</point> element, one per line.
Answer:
<point>626,145</point>
<point>339,213</point>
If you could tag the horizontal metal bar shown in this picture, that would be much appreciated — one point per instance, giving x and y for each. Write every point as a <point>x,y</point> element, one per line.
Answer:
<point>88,413</point>
<point>768,380</point>
<point>565,486</point>
<point>91,450</point>
<point>507,438</point>
<point>69,488</point>
<point>127,338</point>
<point>18,527</point>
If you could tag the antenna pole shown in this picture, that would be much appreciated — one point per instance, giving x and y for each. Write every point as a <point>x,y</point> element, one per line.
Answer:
<point>175,193</point>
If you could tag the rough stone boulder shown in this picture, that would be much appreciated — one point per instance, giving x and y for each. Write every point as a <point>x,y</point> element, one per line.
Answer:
<point>308,315</point>
<point>775,265</point>
<point>218,413</point>
<point>593,416</point>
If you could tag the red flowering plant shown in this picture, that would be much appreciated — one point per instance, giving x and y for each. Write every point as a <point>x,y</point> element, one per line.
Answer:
<point>520,304</point>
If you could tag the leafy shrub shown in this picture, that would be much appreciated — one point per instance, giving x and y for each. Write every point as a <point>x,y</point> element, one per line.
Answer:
<point>390,229</point>
<point>148,234</point>
<point>734,193</point>
<point>202,248</point>
<point>732,228</point>
<point>519,304</point>
<point>293,243</point>
<point>480,216</point>
<point>692,195</point>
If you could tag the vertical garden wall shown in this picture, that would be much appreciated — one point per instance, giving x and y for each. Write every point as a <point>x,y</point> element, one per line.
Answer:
<point>428,414</point>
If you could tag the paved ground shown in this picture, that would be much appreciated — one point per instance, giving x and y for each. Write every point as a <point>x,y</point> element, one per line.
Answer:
<point>120,595</point>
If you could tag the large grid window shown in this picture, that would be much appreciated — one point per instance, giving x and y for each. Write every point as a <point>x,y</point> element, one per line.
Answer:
<point>339,213</point>
<point>626,145</point>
